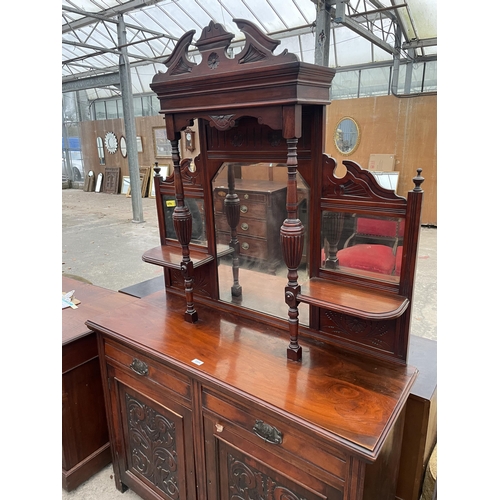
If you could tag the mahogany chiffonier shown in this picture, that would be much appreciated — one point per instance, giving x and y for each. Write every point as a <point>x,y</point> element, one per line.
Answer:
<point>282,381</point>
<point>85,440</point>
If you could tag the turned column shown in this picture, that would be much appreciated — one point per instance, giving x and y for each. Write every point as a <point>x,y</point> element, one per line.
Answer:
<point>333,224</point>
<point>292,243</point>
<point>232,206</point>
<point>183,225</point>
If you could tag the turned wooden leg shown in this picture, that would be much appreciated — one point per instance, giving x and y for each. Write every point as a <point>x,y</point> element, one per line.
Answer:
<point>232,206</point>
<point>292,244</point>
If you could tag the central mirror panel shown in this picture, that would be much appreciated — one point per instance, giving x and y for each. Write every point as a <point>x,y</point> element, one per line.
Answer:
<point>249,209</point>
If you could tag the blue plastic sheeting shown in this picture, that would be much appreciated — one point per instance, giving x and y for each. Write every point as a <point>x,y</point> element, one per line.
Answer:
<point>73,142</point>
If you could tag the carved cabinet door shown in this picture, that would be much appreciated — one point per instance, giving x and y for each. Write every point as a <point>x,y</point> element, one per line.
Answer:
<point>152,437</point>
<point>237,468</point>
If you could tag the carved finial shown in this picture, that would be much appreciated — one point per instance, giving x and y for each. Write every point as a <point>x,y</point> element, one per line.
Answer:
<point>157,169</point>
<point>213,37</point>
<point>418,181</point>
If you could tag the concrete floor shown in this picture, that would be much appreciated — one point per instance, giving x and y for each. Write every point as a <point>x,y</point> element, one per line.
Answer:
<point>101,244</point>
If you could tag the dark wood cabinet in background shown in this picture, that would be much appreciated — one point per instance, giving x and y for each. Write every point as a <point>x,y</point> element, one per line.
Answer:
<point>262,211</point>
<point>85,440</point>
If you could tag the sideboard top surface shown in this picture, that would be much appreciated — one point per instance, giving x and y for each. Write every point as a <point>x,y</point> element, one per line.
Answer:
<point>352,400</point>
<point>93,300</point>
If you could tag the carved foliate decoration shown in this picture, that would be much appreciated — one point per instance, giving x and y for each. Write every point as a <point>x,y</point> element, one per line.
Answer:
<point>379,334</point>
<point>247,482</point>
<point>222,122</point>
<point>201,284</point>
<point>152,441</point>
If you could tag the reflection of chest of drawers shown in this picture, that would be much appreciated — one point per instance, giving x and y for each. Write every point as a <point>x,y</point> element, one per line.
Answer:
<point>262,212</point>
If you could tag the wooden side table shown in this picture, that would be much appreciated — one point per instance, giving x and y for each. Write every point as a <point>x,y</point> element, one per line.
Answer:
<point>85,440</point>
<point>420,428</point>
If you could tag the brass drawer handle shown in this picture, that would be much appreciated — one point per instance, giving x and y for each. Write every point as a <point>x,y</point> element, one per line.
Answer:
<point>267,432</point>
<point>245,245</point>
<point>244,226</point>
<point>244,209</point>
<point>139,367</point>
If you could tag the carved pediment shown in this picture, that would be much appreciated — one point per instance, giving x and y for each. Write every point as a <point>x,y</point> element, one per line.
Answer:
<point>213,45</point>
<point>357,183</point>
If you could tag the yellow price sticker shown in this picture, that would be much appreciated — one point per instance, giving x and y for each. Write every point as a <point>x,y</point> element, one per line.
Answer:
<point>170,203</point>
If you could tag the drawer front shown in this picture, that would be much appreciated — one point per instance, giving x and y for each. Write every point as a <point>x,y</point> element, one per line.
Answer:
<point>246,227</point>
<point>254,206</point>
<point>275,434</point>
<point>143,367</point>
<point>249,247</point>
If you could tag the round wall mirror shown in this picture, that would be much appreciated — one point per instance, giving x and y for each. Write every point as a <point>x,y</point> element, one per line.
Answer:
<point>346,136</point>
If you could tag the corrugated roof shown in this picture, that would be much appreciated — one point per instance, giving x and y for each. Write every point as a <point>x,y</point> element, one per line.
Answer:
<point>362,32</point>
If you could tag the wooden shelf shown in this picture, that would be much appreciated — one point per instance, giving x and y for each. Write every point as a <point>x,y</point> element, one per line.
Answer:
<point>171,257</point>
<point>346,299</point>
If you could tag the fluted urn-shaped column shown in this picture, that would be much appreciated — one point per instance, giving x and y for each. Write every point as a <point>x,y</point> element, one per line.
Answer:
<point>292,244</point>
<point>333,224</point>
<point>183,225</point>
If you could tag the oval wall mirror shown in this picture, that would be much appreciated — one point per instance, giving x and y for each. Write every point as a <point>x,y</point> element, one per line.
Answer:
<point>346,136</point>
<point>100,150</point>
<point>123,146</point>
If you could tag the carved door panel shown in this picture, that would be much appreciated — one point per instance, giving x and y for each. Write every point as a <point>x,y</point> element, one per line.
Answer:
<point>153,441</point>
<point>238,469</point>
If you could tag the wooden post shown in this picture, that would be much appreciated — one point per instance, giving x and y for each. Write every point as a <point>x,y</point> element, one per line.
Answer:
<point>292,243</point>
<point>232,206</point>
<point>183,225</point>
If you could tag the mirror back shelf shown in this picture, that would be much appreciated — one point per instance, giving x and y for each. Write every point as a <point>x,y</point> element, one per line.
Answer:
<point>276,219</point>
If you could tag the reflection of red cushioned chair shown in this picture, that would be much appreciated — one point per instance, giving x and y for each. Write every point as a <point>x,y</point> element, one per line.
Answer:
<point>372,246</point>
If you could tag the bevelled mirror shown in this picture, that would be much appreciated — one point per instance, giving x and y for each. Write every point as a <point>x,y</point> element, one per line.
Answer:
<point>346,136</point>
<point>362,245</point>
<point>249,209</point>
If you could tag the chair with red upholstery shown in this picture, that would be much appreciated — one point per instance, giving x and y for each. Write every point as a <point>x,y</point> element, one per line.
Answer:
<point>373,246</point>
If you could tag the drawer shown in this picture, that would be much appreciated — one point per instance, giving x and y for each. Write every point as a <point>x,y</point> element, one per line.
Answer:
<point>246,227</point>
<point>251,205</point>
<point>249,247</point>
<point>262,428</point>
<point>143,367</point>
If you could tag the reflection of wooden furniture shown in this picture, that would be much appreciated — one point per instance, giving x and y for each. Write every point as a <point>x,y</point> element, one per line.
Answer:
<point>85,442</point>
<point>262,211</point>
<point>213,411</point>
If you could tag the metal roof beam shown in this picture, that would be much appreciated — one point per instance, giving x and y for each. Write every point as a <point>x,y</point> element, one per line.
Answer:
<point>420,44</point>
<point>340,17</point>
<point>92,17</point>
<point>89,17</point>
<point>92,82</point>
